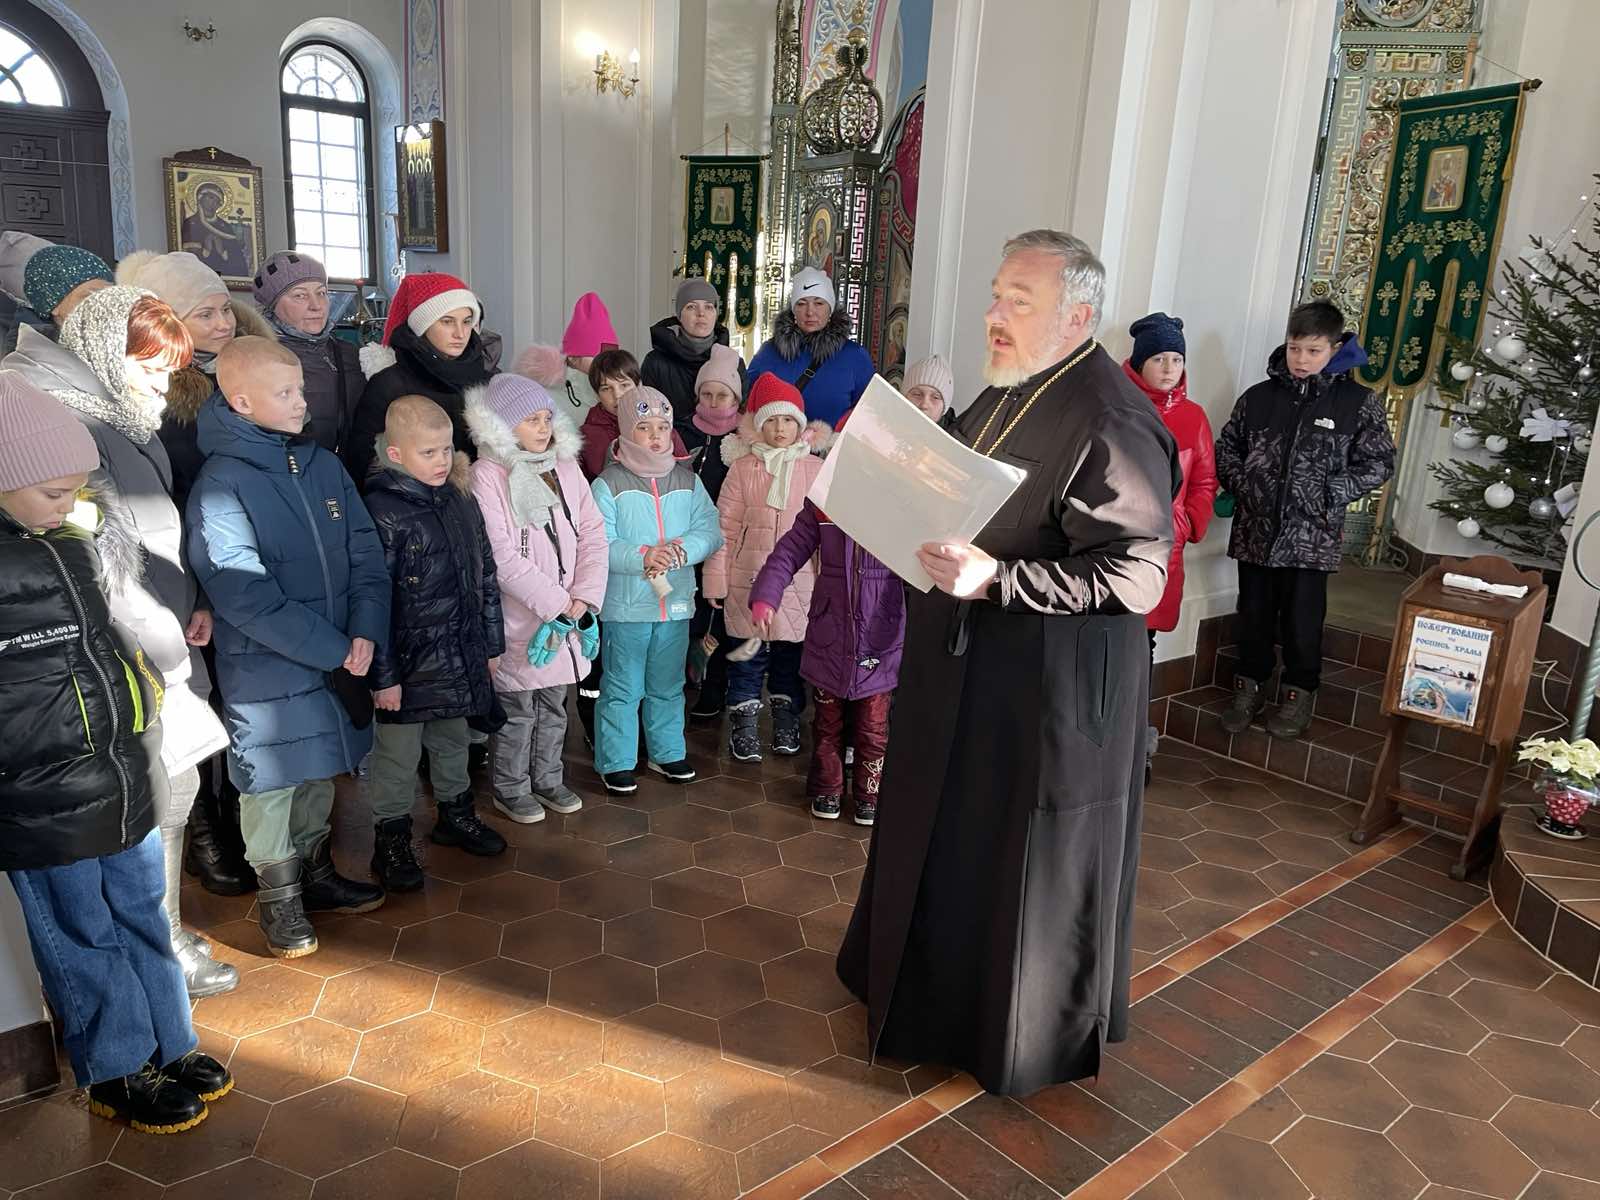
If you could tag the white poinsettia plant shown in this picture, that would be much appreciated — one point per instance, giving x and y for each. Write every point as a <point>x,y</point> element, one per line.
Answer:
<point>1580,758</point>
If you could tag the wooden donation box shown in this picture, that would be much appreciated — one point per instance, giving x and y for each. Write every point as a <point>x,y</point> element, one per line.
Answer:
<point>1462,660</point>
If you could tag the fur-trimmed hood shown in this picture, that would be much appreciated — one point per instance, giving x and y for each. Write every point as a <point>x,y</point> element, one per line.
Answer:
<point>737,444</point>
<point>789,341</point>
<point>191,387</point>
<point>497,441</point>
<point>460,467</point>
<point>116,538</point>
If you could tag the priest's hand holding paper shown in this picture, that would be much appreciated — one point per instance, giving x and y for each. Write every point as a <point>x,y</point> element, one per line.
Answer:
<point>959,568</point>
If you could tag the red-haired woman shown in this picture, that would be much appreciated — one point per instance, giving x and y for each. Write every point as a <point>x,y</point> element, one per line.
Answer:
<point>111,369</point>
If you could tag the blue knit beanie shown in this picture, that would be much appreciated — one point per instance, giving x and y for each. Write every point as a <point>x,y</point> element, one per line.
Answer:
<point>1156,334</point>
<point>55,271</point>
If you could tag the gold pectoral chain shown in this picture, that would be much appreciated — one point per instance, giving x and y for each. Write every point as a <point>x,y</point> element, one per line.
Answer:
<point>1023,411</point>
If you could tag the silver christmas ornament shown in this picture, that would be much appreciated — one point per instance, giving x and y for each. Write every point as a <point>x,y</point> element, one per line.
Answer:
<point>1586,372</point>
<point>1530,368</point>
<point>1511,347</point>
<point>1464,438</point>
<point>1467,527</point>
<point>1495,443</point>
<point>1476,404</point>
<point>1581,444</point>
<point>1542,509</point>
<point>1461,371</point>
<point>1499,495</point>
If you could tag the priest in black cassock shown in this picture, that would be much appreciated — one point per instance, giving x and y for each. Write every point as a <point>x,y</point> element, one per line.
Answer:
<point>993,931</point>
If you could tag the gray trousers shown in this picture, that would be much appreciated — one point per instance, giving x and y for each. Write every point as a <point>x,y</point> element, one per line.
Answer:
<point>527,750</point>
<point>173,821</point>
<point>396,753</point>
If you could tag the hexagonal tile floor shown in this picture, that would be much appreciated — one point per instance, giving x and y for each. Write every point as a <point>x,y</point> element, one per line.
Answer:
<point>639,1000</point>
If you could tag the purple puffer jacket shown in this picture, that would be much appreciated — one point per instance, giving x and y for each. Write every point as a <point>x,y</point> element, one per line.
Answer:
<point>857,626</point>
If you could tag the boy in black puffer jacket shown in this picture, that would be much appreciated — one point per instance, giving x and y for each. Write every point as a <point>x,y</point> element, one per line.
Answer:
<point>80,748</point>
<point>436,670</point>
<point>1300,448</point>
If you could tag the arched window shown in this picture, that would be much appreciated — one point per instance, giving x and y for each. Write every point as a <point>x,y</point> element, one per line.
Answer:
<point>25,76</point>
<point>327,154</point>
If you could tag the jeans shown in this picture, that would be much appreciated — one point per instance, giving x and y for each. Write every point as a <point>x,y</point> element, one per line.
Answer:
<point>644,669</point>
<point>285,822</point>
<point>104,951</point>
<point>527,751</point>
<point>396,753</point>
<point>778,664</point>
<point>1291,603</point>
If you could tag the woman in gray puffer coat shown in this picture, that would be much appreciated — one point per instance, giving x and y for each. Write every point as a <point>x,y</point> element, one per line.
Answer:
<point>117,351</point>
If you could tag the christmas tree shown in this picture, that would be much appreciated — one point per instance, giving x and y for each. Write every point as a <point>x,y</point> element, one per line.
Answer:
<point>1528,400</point>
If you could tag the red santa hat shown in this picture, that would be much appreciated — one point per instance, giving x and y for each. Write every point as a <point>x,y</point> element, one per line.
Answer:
<point>422,299</point>
<point>772,397</point>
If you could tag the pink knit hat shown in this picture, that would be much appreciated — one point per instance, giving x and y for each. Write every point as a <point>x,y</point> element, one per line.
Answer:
<point>589,331</point>
<point>39,438</point>
<point>514,398</point>
<point>722,367</point>
<point>639,404</point>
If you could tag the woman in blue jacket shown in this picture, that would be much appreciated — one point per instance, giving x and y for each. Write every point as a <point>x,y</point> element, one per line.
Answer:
<point>811,348</point>
<point>660,523</point>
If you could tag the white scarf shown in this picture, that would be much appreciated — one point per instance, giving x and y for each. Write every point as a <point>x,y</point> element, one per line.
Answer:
<point>532,499</point>
<point>98,334</point>
<point>779,461</point>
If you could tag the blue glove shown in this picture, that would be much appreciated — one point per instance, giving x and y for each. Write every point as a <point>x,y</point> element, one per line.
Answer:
<point>546,643</point>
<point>589,636</point>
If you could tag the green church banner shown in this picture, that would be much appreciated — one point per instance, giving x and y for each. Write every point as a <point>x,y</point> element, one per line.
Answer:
<point>724,196</point>
<point>1435,253</point>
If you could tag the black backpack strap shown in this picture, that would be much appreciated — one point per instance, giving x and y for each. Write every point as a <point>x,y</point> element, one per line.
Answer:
<point>806,377</point>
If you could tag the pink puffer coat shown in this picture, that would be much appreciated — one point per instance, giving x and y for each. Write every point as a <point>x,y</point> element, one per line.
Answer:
<point>750,529</point>
<point>539,577</point>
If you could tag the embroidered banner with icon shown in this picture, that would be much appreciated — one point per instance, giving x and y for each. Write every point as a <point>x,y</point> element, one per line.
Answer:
<point>724,198</point>
<point>1450,167</point>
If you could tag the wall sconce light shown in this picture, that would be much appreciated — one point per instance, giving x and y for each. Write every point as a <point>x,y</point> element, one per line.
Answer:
<point>608,75</point>
<point>196,34</point>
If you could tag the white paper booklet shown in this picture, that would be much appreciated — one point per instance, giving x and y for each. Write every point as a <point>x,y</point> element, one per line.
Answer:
<point>895,480</point>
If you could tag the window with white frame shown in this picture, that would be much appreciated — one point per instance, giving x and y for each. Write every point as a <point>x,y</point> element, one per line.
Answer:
<point>25,76</point>
<point>327,154</point>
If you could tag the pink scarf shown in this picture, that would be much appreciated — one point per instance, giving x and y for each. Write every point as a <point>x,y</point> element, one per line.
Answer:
<point>714,424</point>
<point>646,464</point>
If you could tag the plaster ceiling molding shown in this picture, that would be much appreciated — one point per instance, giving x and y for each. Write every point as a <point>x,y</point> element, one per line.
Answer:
<point>383,77</point>
<point>824,27</point>
<point>119,146</point>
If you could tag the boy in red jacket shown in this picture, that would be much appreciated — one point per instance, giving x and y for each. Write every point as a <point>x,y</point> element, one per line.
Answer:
<point>1157,366</point>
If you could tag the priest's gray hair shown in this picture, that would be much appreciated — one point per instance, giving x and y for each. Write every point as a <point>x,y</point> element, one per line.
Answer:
<point>1083,275</point>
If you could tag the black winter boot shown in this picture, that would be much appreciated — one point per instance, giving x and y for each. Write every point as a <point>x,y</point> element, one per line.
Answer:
<point>325,890</point>
<point>149,1101</point>
<point>1294,715</point>
<point>785,726</point>
<point>1246,706</point>
<point>394,859</point>
<point>201,1074</point>
<point>282,915</point>
<point>458,825</point>
<point>744,739</point>
<point>215,855</point>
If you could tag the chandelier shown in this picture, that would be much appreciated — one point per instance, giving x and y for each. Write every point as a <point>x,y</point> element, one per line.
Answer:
<point>846,112</point>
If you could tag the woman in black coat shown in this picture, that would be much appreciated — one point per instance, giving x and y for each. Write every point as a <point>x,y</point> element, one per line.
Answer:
<point>431,347</point>
<point>679,346</point>
<point>292,291</point>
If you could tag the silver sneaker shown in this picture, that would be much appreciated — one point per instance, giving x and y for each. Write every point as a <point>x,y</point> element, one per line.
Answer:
<point>560,799</point>
<point>524,810</point>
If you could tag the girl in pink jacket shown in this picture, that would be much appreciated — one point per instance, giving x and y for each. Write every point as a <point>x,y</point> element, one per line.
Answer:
<point>766,487</point>
<point>549,547</point>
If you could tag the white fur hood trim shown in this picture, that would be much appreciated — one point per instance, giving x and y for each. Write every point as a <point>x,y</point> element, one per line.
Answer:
<point>497,441</point>
<point>375,357</point>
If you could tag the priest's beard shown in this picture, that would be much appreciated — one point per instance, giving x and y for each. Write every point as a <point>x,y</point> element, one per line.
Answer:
<point>1024,367</point>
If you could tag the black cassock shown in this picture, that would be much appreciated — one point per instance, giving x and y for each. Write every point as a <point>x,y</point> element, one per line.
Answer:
<point>993,930</point>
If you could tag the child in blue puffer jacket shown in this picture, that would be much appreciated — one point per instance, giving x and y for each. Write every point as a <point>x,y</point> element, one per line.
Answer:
<point>659,522</point>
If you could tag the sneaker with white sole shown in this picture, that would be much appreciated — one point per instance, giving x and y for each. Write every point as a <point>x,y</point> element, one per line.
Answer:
<point>620,783</point>
<point>560,799</point>
<point>678,772</point>
<point>524,810</point>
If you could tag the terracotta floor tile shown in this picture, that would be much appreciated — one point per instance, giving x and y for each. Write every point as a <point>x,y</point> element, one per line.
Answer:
<point>1164,1064</point>
<point>1560,1139</point>
<point>1365,1042</point>
<point>1135,1096</point>
<point>1255,992</point>
<point>1047,1154</point>
<point>247,1179</point>
<point>668,1165</point>
<point>1551,1187</point>
<point>823,853</point>
<point>605,894</point>
<point>775,1154</point>
<point>562,1175</point>
<point>552,939</point>
<point>508,897</point>
<point>542,1047</point>
<point>824,929</point>
<point>653,937</point>
<point>437,898</point>
<point>737,854</point>
<point>1537,1070</point>
<point>560,857</point>
<point>842,1095</point>
<point>1342,1163</point>
<point>1160,1188</point>
<point>418,1053</point>
<point>602,987</point>
<point>491,991</point>
<point>661,1042</point>
<point>1237,1020</point>
<point>1267,1118</point>
<point>51,1138</point>
<point>1193,1036</point>
<point>790,890</point>
<point>733,791</point>
<point>376,995</point>
<point>847,884</point>
<point>448,942</point>
<point>1334,1025</point>
<point>1305,953</point>
<point>1349,942</point>
<point>1161,821</point>
<point>1340,912</point>
<point>266,997</point>
<point>1287,974</point>
<point>697,892</point>
<point>103,1182</point>
<point>806,979</point>
<point>606,824</point>
<point>714,985</point>
<point>691,823</point>
<point>1463,1153</point>
<point>1350,1092</point>
<point>467,1118</point>
<point>1358,893</point>
<point>753,934</point>
<point>293,1058</point>
<point>1188,1129</point>
<point>1507,1009</point>
<point>969,1164</point>
<point>229,1133</point>
<point>1432,1021</point>
<point>458,866</point>
<point>601,1112</point>
<point>1225,1167</point>
<point>950,1094</point>
<point>727,1105</point>
<point>895,1175</point>
<point>1579,999</point>
<point>777,1037</point>
<point>322,1131</point>
<point>394,1175</point>
<point>650,856</point>
<point>775,822</point>
<point>1511,963</point>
